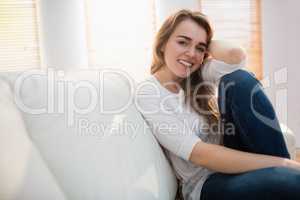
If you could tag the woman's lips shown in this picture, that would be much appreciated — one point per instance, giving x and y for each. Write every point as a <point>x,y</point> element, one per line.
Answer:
<point>185,63</point>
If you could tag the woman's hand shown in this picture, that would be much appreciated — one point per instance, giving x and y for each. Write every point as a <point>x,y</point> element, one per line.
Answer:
<point>226,52</point>
<point>292,164</point>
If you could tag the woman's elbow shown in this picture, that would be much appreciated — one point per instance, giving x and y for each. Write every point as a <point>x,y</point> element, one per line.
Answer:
<point>198,154</point>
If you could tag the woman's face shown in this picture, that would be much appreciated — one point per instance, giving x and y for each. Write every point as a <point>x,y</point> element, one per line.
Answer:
<point>185,49</point>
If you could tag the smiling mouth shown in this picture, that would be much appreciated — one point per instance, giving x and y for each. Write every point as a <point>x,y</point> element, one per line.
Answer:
<point>185,63</point>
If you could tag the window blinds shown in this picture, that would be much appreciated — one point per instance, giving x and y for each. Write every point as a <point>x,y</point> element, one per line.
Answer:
<point>238,21</point>
<point>19,47</point>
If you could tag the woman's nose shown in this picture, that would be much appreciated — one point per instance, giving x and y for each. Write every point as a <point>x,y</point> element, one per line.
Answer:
<point>191,52</point>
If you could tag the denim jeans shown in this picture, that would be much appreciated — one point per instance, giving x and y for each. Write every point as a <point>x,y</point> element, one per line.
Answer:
<point>243,104</point>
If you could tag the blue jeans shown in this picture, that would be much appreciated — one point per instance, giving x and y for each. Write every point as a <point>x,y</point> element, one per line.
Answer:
<point>243,104</point>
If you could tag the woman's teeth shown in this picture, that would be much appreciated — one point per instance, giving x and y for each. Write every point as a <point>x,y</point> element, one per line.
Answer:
<point>185,63</point>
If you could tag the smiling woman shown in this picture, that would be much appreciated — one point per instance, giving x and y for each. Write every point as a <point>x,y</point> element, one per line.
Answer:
<point>236,161</point>
<point>185,50</point>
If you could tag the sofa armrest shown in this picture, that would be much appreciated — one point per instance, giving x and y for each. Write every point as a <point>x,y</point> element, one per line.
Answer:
<point>23,172</point>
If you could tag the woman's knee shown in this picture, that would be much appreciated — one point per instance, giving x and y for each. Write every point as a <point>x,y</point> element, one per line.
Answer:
<point>238,76</point>
<point>238,83</point>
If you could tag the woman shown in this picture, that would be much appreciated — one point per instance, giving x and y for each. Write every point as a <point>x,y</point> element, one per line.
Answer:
<point>231,151</point>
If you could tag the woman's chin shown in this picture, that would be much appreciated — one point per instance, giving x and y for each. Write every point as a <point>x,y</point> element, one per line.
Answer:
<point>182,74</point>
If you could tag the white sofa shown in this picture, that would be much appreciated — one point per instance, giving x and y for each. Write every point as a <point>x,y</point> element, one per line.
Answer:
<point>52,148</point>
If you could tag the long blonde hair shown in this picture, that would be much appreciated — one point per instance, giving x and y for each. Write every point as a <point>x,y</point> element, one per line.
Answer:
<point>199,105</point>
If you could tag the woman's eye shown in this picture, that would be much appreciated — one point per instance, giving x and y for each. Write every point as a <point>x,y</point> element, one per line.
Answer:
<point>201,49</point>
<point>182,43</point>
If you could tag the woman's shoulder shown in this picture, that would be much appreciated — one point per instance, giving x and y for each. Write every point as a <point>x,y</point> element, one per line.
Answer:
<point>150,93</point>
<point>148,86</point>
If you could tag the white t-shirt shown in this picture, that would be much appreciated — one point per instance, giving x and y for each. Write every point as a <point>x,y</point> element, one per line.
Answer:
<point>177,127</point>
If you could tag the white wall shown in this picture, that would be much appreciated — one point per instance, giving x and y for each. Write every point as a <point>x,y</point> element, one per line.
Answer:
<point>281,42</point>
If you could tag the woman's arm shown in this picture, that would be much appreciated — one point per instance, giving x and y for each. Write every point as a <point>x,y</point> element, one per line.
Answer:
<point>226,160</point>
<point>226,52</point>
<point>224,59</point>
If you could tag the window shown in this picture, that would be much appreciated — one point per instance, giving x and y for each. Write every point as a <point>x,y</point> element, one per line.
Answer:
<point>238,21</point>
<point>120,35</point>
<point>19,47</point>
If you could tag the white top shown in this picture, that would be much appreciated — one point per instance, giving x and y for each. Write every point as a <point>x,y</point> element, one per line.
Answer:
<point>177,127</point>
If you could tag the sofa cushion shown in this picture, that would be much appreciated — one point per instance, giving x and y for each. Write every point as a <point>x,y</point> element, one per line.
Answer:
<point>92,152</point>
